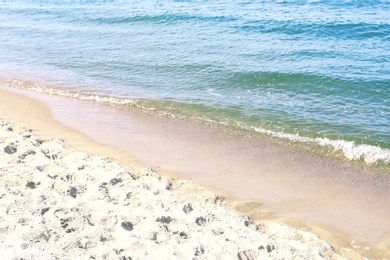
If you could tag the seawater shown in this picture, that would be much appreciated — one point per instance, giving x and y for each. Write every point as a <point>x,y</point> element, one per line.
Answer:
<point>312,73</point>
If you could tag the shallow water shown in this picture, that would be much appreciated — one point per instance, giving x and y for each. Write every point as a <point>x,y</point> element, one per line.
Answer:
<point>315,74</point>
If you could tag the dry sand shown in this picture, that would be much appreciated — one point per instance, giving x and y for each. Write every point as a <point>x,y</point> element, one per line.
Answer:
<point>58,201</point>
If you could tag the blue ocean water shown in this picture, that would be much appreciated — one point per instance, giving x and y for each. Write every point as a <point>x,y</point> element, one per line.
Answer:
<point>315,73</point>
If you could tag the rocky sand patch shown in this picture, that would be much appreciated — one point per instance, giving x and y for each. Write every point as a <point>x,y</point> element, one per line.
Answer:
<point>60,203</point>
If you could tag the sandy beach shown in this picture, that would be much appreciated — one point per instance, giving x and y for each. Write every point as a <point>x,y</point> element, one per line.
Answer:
<point>194,129</point>
<point>64,195</point>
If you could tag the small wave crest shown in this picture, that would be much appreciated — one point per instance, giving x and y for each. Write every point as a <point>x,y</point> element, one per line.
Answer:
<point>359,152</point>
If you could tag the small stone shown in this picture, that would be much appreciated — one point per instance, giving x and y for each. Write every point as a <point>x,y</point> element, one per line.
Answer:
<point>183,235</point>
<point>199,251</point>
<point>31,185</point>
<point>270,248</point>
<point>168,185</point>
<point>164,219</point>
<point>127,226</point>
<point>44,210</point>
<point>200,221</point>
<point>64,223</point>
<point>73,192</point>
<point>10,149</point>
<point>187,208</point>
<point>70,230</point>
<point>41,168</point>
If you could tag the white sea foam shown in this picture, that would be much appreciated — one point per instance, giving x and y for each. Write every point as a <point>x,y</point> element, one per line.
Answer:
<point>368,153</point>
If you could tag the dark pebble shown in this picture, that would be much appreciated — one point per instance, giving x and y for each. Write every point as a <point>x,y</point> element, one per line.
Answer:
<point>187,208</point>
<point>73,192</point>
<point>127,226</point>
<point>10,149</point>
<point>200,221</point>
<point>44,210</point>
<point>31,185</point>
<point>164,219</point>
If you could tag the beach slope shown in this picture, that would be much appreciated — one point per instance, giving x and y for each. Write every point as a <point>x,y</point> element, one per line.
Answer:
<point>59,202</point>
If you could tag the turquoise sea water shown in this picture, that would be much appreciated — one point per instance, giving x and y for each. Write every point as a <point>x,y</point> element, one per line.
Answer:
<point>314,73</point>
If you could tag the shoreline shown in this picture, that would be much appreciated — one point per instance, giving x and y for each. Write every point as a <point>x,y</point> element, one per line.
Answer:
<point>45,126</point>
<point>367,155</point>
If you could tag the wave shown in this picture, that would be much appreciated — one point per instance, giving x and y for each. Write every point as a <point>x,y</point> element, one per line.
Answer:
<point>369,154</point>
<point>352,151</point>
<point>167,18</point>
<point>164,18</point>
<point>347,31</point>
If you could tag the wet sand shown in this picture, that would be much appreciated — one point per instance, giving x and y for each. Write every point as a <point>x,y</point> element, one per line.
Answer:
<point>346,204</point>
